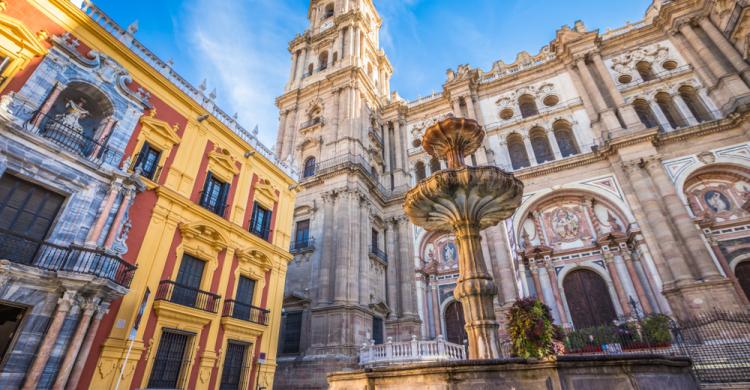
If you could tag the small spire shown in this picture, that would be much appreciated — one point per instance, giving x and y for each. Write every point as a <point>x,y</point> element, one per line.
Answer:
<point>133,27</point>
<point>202,85</point>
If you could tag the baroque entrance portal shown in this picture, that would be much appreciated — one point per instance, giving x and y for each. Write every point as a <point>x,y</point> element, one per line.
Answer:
<point>588,299</point>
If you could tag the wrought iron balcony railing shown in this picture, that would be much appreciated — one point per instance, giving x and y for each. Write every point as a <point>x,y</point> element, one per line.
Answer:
<point>312,122</point>
<point>76,141</point>
<point>245,312</point>
<point>377,252</point>
<point>302,245</point>
<point>72,258</point>
<point>174,292</point>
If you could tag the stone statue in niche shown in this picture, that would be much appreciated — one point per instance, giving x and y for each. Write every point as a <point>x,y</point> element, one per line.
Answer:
<point>74,112</point>
<point>566,224</point>
<point>717,201</point>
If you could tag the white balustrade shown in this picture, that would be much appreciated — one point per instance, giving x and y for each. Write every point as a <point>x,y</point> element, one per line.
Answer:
<point>410,352</point>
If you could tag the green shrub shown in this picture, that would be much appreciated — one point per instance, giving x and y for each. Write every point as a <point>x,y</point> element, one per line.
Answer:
<point>531,329</point>
<point>655,329</point>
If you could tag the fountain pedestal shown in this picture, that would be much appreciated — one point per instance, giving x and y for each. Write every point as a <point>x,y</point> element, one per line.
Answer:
<point>466,200</point>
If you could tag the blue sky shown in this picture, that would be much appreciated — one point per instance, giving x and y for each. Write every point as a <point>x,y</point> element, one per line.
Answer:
<point>240,46</point>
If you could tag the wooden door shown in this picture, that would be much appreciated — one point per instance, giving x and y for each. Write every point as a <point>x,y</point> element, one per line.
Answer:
<point>234,366</point>
<point>588,299</point>
<point>171,361</point>
<point>742,272</point>
<point>455,330</point>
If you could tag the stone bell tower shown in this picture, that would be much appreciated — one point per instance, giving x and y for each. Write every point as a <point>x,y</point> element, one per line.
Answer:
<point>352,277</point>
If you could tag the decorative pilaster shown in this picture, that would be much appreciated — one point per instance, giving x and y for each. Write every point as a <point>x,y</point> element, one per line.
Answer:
<point>48,103</point>
<point>564,321</point>
<point>327,249</point>
<point>726,48</point>
<point>34,373</point>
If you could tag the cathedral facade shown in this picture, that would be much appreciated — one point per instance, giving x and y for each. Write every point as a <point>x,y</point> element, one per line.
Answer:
<point>633,145</point>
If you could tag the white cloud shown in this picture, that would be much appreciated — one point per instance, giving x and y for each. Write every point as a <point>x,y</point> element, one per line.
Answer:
<point>240,47</point>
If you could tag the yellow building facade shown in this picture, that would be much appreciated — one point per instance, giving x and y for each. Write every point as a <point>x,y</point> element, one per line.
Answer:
<point>209,230</point>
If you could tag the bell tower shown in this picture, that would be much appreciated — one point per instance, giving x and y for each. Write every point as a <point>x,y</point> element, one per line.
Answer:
<point>352,277</point>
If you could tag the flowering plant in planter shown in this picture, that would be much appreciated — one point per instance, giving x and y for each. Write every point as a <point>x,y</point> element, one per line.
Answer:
<point>531,329</point>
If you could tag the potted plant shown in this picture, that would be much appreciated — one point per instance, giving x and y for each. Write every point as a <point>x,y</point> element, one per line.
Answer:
<point>531,329</point>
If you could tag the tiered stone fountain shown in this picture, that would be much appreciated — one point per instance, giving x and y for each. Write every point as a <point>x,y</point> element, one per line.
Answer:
<point>466,200</point>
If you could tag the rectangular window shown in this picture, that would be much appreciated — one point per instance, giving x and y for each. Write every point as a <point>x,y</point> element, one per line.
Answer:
<point>27,212</point>
<point>172,361</point>
<point>214,196</point>
<point>236,369</point>
<point>188,283</point>
<point>377,330</point>
<point>243,301</point>
<point>292,332</point>
<point>375,240</point>
<point>260,223</point>
<point>10,319</point>
<point>148,161</point>
<point>302,234</point>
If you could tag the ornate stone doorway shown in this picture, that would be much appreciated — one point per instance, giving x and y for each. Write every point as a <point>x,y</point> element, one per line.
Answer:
<point>454,323</point>
<point>588,299</point>
<point>742,272</point>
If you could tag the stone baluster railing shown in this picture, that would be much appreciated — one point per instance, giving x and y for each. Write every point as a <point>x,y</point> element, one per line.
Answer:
<point>410,351</point>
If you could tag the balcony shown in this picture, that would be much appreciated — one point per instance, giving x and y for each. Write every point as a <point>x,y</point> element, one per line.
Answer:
<point>410,352</point>
<point>174,292</point>
<point>76,141</point>
<point>71,258</point>
<point>376,137</point>
<point>302,246</point>
<point>378,254</point>
<point>314,122</point>
<point>245,312</point>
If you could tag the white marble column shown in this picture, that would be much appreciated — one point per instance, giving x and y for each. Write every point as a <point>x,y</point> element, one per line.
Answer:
<point>684,110</point>
<point>660,116</point>
<point>529,150</point>
<point>553,144</point>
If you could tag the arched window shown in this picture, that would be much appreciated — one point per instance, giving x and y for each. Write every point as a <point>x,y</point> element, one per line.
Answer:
<point>540,145</point>
<point>309,167</point>
<point>323,60</point>
<point>645,114</point>
<point>420,170</point>
<point>588,299</point>
<point>694,103</point>
<point>434,165</point>
<point>566,139</point>
<point>666,103</point>
<point>328,11</point>
<point>517,151</point>
<point>527,104</point>
<point>645,70</point>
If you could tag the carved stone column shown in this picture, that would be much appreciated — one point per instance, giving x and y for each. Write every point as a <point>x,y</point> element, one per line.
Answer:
<point>529,150</point>
<point>627,111</point>
<point>699,66</point>
<point>114,230</point>
<point>726,48</point>
<point>406,266</point>
<point>564,321</point>
<point>637,285</point>
<point>392,270</point>
<point>682,221</point>
<point>609,258</point>
<point>475,290</point>
<point>552,139</point>
<point>44,109</point>
<point>663,121</point>
<point>685,110</point>
<point>674,270</point>
<point>74,345</point>
<point>537,282</point>
<point>327,249</point>
<point>96,230</point>
<point>85,349</point>
<point>34,373</point>
<point>343,245</point>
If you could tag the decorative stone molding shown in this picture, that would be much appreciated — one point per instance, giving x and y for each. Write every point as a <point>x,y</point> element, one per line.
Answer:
<point>158,132</point>
<point>202,239</point>
<point>222,164</point>
<point>266,193</point>
<point>255,257</point>
<point>26,45</point>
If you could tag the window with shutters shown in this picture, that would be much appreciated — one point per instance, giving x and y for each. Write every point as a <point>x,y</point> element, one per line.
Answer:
<point>243,300</point>
<point>234,375</point>
<point>260,223</point>
<point>172,361</point>
<point>301,234</point>
<point>214,195</point>
<point>292,332</point>
<point>27,212</point>
<point>188,283</point>
<point>148,161</point>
